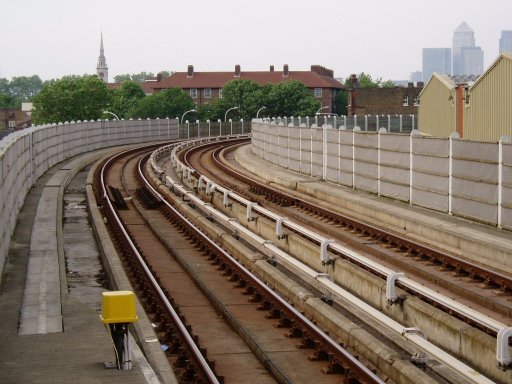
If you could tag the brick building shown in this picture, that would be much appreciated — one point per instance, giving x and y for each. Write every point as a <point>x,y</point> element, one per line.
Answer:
<point>204,87</point>
<point>477,108</point>
<point>383,101</point>
<point>10,117</point>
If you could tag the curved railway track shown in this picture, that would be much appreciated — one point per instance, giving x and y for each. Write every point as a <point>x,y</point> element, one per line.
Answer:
<point>485,290</point>
<point>197,295</point>
<point>478,317</point>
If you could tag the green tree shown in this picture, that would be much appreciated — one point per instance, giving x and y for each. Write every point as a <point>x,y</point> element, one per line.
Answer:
<point>70,98</point>
<point>9,101</point>
<point>291,98</point>
<point>212,111</point>
<point>139,77</point>
<point>366,81</point>
<point>341,102</point>
<point>25,88</point>
<point>4,85</point>
<point>165,74</point>
<point>388,84</point>
<point>172,102</point>
<point>123,100</point>
<point>242,94</point>
<point>122,78</point>
<point>142,76</point>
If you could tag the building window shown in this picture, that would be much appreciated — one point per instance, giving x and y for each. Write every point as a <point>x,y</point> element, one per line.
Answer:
<point>193,93</point>
<point>405,101</point>
<point>207,93</point>
<point>416,101</point>
<point>318,92</point>
<point>220,93</point>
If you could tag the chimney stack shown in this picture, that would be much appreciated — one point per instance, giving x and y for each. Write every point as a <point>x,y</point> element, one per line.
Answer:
<point>354,83</point>
<point>271,68</point>
<point>237,70</point>
<point>285,70</point>
<point>190,71</point>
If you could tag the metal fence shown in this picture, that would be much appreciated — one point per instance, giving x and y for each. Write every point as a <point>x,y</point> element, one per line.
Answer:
<point>367,123</point>
<point>213,128</point>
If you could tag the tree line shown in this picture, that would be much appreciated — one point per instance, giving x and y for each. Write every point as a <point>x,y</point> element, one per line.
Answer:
<point>73,98</point>
<point>18,90</point>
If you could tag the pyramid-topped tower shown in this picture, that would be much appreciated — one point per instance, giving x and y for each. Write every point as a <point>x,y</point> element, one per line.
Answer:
<point>468,59</point>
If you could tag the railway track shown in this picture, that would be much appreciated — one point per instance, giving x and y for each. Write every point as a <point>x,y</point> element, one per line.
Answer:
<point>197,295</point>
<point>197,169</point>
<point>487,290</point>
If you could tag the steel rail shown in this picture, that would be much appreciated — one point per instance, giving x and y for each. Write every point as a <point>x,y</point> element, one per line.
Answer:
<point>181,328</point>
<point>460,265</point>
<point>484,322</point>
<point>459,310</point>
<point>411,334</point>
<point>355,366</point>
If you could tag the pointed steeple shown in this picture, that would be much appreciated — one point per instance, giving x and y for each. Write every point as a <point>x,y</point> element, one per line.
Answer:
<point>101,67</point>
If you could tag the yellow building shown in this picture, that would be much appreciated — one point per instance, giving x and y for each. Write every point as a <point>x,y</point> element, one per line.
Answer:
<point>479,110</point>
<point>437,114</point>
<point>488,110</point>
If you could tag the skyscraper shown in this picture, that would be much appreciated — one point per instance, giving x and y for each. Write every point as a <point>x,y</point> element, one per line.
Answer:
<point>467,57</point>
<point>506,41</point>
<point>101,67</point>
<point>473,60</point>
<point>436,60</point>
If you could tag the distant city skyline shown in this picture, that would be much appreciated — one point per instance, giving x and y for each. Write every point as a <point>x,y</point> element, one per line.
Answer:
<point>53,38</point>
<point>463,59</point>
<point>436,60</point>
<point>467,58</point>
<point>506,41</point>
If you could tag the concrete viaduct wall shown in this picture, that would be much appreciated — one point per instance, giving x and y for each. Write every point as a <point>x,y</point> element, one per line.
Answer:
<point>462,178</point>
<point>26,155</point>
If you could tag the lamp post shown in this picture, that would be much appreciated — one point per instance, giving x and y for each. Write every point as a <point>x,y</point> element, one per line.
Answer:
<point>192,110</point>
<point>259,110</point>
<point>112,113</point>
<point>318,112</point>
<point>226,114</point>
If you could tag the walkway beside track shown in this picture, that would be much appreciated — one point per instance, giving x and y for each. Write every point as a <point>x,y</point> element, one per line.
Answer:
<point>48,335</point>
<point>479,243</point>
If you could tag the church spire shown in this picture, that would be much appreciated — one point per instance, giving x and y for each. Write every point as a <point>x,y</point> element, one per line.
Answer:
<point>101,67</point>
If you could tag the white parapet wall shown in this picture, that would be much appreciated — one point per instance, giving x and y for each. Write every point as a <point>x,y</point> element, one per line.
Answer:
<point>463,178</point>
<point>26,155</point>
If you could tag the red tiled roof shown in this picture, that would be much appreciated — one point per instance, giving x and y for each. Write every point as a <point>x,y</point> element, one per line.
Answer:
<point>146,86</point>
<point>310,79</point>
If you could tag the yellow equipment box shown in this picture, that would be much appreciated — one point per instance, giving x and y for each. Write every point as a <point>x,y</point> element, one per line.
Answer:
<point>118,307</point>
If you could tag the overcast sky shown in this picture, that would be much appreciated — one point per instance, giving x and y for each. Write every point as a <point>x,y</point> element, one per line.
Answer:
<point>54,38</point>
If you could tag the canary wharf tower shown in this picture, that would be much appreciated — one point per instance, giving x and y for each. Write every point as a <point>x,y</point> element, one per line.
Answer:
<point>468,59</point>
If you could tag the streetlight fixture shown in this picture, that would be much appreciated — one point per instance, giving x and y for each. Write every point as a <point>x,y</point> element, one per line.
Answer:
<point>318,112</point>
<point>226,114</point>
<point>259,110</point>
<point>112,113</point>
<point>192,110</point>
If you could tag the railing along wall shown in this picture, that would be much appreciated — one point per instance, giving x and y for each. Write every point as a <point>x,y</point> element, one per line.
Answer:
<point>462,178</point>
<point>26,155</point>
<point>392,123</point>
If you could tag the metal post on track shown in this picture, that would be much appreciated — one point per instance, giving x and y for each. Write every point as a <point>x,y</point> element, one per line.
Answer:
<point>118,311</point>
